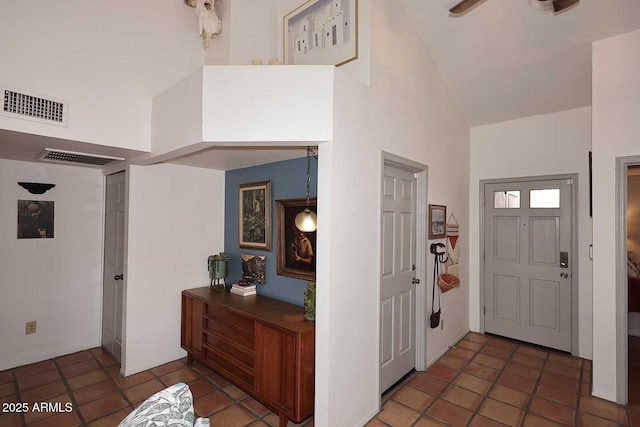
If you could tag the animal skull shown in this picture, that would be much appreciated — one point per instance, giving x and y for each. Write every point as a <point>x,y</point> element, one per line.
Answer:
<point>208,21</point>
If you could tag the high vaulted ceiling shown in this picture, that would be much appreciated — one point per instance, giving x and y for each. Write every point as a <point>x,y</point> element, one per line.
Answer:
<point>506,59</point>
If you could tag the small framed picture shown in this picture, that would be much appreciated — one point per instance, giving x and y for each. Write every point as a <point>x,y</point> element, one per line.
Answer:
<point>296,253</point>
<point>437,226</point>
<point>35,219</point>
<point>254,216</point>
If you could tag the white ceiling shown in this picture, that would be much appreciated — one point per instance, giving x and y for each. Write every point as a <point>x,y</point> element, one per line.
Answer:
<point>506,59</point>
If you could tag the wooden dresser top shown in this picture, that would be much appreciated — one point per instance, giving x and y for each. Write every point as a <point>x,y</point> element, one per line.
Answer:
<point>278,313</point>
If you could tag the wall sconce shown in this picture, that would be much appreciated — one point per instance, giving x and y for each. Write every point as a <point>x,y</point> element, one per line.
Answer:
<point>36,187</point>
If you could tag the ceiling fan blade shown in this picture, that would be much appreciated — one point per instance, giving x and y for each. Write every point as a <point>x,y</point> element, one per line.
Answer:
<point>560,5</point>
<point>463,6</point>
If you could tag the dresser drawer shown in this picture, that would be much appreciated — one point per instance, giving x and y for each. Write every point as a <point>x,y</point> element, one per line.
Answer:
<point>231,333</point>
<point>227,364</point>
<point>228,348</point>
<point>241,322</point>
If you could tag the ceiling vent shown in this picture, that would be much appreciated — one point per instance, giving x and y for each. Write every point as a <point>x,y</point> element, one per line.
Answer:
<point>21,104</point>
<point>72,157</point>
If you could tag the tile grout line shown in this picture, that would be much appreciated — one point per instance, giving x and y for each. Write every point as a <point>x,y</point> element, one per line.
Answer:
<point>476,412</point>
<point>14,377</point>
<point>69,391</point>
<point>534,392</point>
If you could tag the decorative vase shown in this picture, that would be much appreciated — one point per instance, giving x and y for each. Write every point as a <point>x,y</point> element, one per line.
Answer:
<point>310,302</point>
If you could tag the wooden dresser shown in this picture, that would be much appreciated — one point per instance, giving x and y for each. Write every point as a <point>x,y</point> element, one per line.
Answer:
<point>263,346</point>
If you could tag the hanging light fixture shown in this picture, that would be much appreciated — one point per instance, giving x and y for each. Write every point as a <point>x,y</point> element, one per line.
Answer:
<point>306,220</point>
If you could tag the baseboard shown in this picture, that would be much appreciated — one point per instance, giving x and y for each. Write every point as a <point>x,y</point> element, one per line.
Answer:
<point>458,338</point>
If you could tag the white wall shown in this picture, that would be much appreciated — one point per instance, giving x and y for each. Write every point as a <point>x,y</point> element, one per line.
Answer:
<point>411,115</point>
<point>108,59</point>
<point>175,221</point>
<point>616,133</point>
<point>56,282</point>
<point>549,144</point>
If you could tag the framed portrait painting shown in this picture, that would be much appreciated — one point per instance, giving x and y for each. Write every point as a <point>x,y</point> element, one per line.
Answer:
<point>321,32</point>
<point>35,219</point>
<point>437,226</point>
<point>296,250</point>
<point>254,215</point>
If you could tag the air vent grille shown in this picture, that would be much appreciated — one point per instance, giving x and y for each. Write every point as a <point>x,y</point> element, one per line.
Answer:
<point>21,104</point>
<point>60,156</point>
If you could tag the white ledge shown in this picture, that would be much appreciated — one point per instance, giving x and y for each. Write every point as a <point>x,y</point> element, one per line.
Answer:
<point>244,104</point>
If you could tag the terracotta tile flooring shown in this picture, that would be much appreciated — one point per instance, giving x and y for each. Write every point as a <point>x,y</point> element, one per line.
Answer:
<point>89,385</point>
<point>486,381</point>
<point>482,381</point>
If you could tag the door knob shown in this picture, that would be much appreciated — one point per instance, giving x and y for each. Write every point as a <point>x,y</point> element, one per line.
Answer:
<point>415,281</point>
<point>118,277</point>
<point>564,275</point>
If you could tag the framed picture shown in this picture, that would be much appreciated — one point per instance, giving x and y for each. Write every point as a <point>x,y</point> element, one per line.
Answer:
<point>253,268</point>
<point>437,218</point>
<point>35,219</point>
<point>254,215</point>
<point>296,250</point>
<point>321,32</point>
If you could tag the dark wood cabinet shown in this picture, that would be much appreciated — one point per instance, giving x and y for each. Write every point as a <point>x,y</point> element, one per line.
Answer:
<point>263,346</point>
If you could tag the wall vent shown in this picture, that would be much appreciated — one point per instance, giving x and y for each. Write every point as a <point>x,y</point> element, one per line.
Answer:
<point>72,157</point>
<point>25,105</point>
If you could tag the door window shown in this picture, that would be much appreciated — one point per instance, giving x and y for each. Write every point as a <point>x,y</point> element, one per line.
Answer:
<point>544,199</point>
<point>506,199</point>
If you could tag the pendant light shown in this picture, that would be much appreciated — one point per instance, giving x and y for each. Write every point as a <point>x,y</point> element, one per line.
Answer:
<point>306,220</point>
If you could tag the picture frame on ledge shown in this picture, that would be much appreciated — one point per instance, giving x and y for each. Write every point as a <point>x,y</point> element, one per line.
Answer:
<point>254,215</point>
<point>321,32</point>
<point>437,222</point>
<point>296,250</point>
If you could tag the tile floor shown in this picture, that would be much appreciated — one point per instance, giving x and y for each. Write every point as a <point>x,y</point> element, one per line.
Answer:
<point>486,381</point>
<point>97,395</point>
<point>482,381</point>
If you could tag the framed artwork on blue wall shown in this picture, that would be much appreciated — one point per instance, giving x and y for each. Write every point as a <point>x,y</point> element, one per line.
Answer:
<point>296,250</point>
<point>254,216</point>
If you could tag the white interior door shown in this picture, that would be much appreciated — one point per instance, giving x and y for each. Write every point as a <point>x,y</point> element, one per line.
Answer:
<point>527,249</point>
<point>113,279</point>
<point>397,305</point>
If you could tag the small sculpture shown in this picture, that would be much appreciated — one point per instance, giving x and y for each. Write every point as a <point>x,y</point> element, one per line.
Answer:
<point>310,302</point>
<point>208,21</point>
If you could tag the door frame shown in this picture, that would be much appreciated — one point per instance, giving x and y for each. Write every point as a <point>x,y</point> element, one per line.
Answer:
<point>622,288</point>
<point>574,249</point>
<point>420,172</point>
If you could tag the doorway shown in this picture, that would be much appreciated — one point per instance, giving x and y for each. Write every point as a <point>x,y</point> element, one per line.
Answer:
<point>528,262</point>
<point>633,281</point>
<point>402,288</point>
<point>113,274</point>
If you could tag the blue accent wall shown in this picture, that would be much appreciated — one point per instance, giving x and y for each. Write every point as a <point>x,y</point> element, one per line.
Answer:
<point>288,181</point>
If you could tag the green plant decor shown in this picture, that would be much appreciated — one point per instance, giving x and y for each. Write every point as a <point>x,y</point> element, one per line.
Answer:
<point>310,301</point>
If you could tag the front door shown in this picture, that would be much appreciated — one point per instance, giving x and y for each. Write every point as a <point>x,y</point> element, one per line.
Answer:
<point>397,305</point>
<point>527,248</point>
<point>113,276</point>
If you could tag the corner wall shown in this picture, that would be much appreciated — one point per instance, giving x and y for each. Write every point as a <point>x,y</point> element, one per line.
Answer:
<point>175,220</point>
<point>56,282</point>
<point>411,115</point>
<point>549,144</point>
<point>616,134</point>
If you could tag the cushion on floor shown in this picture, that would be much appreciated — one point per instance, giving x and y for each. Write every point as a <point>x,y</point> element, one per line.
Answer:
<point>172,406</point>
